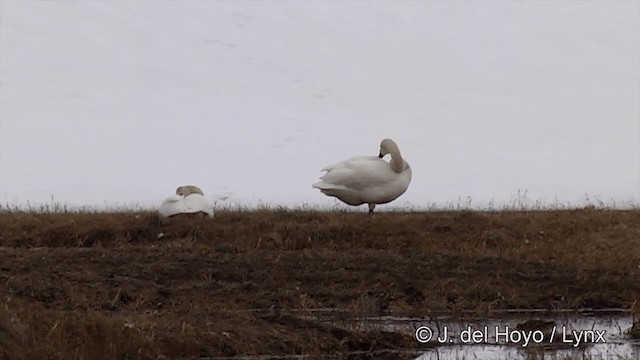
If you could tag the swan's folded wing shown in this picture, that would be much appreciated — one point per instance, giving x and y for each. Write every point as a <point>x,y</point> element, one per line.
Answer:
<point>171,206</point>
<point>350,163</point>
<point>197,203</point>
<point>357,173</point>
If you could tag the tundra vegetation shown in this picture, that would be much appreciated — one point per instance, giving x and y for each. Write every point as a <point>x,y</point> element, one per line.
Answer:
<point>125,285</point>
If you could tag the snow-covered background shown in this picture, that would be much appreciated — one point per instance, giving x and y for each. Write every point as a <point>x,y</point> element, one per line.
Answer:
<point>119,102</point>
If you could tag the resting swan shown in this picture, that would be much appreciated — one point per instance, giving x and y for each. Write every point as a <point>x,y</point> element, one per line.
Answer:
<point>189,199</point>
<point>368,179</point>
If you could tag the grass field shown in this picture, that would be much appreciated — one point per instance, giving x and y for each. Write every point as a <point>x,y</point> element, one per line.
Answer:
<point>128,286</point>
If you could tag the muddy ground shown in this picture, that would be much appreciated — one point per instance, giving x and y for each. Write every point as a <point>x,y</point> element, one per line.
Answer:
<point>127,286</point>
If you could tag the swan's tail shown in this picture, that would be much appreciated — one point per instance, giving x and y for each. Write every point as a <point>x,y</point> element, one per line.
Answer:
<point>325,186</point>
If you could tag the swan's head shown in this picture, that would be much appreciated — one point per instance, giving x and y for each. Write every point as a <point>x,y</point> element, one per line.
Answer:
<point>387,146</point>
<point>188,190</point>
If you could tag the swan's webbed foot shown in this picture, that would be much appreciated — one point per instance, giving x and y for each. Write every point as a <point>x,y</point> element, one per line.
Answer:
<point>371,207</point>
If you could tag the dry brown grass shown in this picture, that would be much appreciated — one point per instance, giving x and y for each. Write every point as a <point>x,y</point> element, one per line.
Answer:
<point>127,286</point>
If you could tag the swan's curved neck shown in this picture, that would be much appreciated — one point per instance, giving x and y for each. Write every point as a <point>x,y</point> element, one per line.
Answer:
<point>397,163</point>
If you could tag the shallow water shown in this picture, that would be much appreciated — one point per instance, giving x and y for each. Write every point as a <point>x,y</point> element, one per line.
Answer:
<point>496,335</point>
<point>588,334</point>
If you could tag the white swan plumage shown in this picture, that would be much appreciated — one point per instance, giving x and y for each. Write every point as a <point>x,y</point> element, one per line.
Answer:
<point>368,179</point>
<point>188,199</point>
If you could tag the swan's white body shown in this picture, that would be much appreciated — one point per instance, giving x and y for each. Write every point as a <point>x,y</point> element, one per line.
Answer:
<point>367,179</point>
<point>187,200</point>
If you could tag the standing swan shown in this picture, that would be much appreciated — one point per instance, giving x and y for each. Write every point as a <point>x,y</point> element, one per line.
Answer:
<point>189,199</point>
<point>368,179</point>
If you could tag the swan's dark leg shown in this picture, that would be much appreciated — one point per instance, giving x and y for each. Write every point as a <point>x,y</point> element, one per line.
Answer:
<point>371,207</point>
